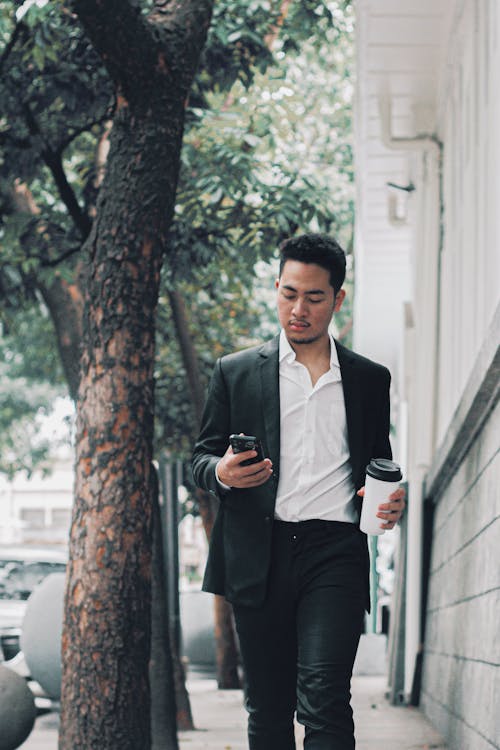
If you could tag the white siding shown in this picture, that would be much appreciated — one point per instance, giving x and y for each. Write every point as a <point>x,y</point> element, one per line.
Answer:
<point>469,126</point>
<point>439,65</point>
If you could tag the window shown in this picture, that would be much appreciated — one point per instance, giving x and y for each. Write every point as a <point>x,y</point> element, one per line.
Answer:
<point>34,517</point>
<point>61,517</point>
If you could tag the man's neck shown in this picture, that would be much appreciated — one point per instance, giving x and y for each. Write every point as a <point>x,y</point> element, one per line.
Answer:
<point>315,354</point>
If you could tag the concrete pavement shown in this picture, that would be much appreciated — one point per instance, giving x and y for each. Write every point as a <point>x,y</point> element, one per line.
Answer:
<point>220,721</point>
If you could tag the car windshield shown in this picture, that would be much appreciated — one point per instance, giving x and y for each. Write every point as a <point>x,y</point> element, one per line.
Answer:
<point>18,578</point>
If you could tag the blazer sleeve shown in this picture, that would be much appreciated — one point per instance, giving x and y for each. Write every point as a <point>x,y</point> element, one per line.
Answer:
<point>213,439</point>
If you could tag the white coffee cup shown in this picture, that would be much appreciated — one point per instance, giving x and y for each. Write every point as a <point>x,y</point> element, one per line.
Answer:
<point>382,479</point>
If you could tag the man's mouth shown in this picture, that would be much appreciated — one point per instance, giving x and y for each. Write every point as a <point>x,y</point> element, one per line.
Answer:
<point>298,324</point>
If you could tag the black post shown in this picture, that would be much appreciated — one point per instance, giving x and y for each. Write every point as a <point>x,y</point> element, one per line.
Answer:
<point>170,521</point>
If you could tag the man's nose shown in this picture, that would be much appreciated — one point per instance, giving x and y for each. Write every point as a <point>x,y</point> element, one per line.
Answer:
<point>299,308</point>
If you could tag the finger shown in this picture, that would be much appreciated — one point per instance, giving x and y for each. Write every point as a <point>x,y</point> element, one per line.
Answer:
<point>247,476</point>
<point>238,458</point>
<point>246,471</point>
<point>389,523</point>
<point>399,494</point>
<point>395,505</point>
<point>265,471</point>
<point>229,451</point>
<point>257,477</point>
<point>392,519</point>
<point>391,515</point>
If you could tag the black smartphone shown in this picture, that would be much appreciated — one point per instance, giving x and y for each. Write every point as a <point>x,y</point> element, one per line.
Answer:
<point>240,443</point>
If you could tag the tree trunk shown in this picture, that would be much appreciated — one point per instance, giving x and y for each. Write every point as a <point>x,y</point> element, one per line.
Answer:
<point>107,622</point>
<point>226,648</point>
<point>188,352</point>
<point>183,714</point>
<point>106,639</point>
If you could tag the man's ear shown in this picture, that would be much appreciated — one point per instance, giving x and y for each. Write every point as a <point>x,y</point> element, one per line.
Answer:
<point>339,298</point>
<point>276,283</point>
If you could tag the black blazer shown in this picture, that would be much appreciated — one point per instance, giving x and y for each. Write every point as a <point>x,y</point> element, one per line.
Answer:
<point>243,397</point>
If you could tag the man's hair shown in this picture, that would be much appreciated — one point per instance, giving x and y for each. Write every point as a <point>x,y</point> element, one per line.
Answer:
<point>320,249</point>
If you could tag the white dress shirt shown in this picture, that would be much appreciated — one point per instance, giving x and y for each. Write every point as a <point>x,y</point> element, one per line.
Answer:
<point>315,470</point>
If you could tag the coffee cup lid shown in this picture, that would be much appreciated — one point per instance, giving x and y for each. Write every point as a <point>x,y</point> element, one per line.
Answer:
<point>382,468</point>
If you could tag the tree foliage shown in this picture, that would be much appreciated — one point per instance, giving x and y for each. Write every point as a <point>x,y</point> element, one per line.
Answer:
<point>29,385</point>
<point>258,165</point>
<point>267,152</point>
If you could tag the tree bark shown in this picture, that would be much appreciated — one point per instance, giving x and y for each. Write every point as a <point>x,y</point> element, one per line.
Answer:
<point>106,633</point>
<point>184,716</point>
<point>226,649</point>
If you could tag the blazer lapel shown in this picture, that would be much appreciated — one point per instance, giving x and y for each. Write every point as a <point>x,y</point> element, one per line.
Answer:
<point>270,401</point>
<point>353,406</point>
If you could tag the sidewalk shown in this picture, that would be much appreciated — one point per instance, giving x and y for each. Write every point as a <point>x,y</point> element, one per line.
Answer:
<point>220,721</point>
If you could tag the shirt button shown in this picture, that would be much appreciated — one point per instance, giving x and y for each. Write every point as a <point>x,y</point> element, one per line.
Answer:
<point>267,519</point>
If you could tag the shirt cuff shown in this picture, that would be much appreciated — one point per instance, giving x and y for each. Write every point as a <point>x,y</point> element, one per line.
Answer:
<point>221,484</point>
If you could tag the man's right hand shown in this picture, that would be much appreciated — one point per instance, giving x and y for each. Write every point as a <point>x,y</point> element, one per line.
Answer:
<point>231,473</point>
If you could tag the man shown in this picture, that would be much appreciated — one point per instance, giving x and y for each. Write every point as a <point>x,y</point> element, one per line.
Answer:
<point>286,548</point>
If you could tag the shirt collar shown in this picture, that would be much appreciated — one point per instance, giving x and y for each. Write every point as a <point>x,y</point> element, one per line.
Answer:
<point>286,351</point>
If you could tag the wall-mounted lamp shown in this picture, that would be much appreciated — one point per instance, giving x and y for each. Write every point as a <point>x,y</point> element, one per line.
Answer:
<point>397,202</point>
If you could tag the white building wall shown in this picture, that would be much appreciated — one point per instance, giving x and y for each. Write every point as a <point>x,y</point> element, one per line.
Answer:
<point>37,509</point>
<point>381,247</point>
<point>461,674</point>
<point>448,356</point>
<point>469,126</point>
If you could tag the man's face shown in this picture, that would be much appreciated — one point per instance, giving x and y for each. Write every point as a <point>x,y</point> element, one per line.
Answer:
<point>306,301</point>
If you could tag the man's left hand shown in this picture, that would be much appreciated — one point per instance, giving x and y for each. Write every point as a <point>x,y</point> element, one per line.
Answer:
<point>392,510</point>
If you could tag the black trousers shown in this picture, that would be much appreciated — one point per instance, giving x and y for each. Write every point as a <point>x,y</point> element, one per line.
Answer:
<point>298,649</point>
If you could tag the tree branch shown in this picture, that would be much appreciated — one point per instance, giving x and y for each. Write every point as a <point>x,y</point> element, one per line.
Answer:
<point>22,199</point>
<point>166,40</point>
<point>24,203</point>
<point>54,162</point>
<point>274,32</point>
<point>63,299</point>
<point>185,22</point>
<point>55,261</point>
<point>65,303</point>
<point>116,29</point>
<point>83,129</point>
<point>188,352</point>
<point>80,219</point>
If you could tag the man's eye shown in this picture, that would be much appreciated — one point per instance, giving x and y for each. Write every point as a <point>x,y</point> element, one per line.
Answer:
<point>288,296</point>
<point>314,301</point>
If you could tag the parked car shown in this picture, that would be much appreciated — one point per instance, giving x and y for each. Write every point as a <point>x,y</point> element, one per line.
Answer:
<point>22,568</point>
